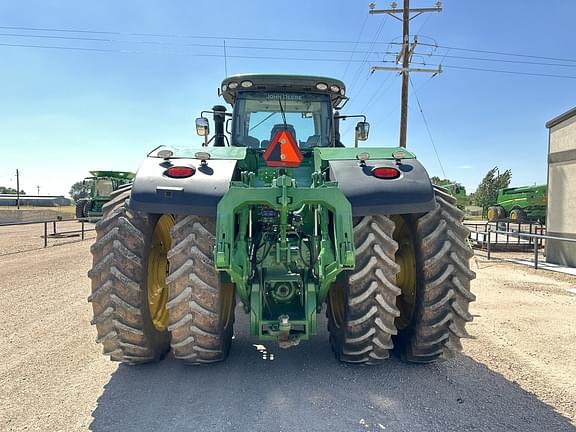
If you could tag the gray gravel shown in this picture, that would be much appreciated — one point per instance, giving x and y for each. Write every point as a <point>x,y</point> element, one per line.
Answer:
<point>53,376</point>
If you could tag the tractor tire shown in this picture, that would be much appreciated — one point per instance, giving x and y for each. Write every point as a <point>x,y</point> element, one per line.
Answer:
<point>443,278</point>
<point>83,206</point>
<point>120,279</point>
<point>518,215</point>
<point>362,308</point>
<point>495,213</point>
<point>201,307</point>
<point>87,208</point>
<point>80,209</point>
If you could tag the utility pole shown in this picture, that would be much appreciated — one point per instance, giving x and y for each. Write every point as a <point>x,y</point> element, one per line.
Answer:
<point>17,189</point>
<point>405,55</point>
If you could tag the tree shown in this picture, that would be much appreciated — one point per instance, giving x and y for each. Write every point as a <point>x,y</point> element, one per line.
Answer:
<point>80,189</point>
<point>440,182</point>
<point>9,190</point>
<point>487,192</point>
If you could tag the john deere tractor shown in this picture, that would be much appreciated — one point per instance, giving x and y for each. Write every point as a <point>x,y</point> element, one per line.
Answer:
<point>102,184</point>
<point>282,217</point>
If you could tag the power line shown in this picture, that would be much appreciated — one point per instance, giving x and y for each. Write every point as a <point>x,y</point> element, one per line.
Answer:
<point>381,90</point>
<point>365,59</point>
<point>56,37</point>
<point>508,72</point>
<point>495,60</point>
<point>324,41</point>
<point>355,45</point>
<point>57,30</point>
<point>324,50</point>
<point>57,47</point>
<point>427,127</point>
<point>176,35</point>
<point>332,60</point>
<point>406,54</point>
<point>61,48</point>
<point>492,52</point>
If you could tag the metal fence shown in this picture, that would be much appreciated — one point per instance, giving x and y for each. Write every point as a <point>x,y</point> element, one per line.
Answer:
<point>536,240</point>
<point>51,228</point>
<point>506,241</point>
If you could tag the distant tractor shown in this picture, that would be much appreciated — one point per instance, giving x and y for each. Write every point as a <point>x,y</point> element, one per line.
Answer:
<point>456,190</point>
<point>282,217</point>
<point>102,184</point>
<point>521,204</point>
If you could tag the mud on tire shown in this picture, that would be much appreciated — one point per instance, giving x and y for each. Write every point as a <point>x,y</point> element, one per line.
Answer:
<point>119,284</point>
<point>443,291</point>
<point>201,308</point>
<point>362,308</point>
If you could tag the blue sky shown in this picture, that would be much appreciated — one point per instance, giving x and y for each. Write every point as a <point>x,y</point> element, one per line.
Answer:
<point>64,112</point>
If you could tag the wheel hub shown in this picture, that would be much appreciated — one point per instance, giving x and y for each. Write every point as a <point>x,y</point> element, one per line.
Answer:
<point>337,304</point>
<point>158,267</point>
<point>406,278</point>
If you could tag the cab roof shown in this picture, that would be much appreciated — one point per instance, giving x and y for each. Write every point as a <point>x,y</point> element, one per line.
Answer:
<point>283,82</point>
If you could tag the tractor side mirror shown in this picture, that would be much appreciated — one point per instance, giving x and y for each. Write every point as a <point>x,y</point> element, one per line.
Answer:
<point>362,131</point>
<point>202,126</point>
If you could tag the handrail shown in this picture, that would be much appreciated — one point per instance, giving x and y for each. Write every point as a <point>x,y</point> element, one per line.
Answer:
<point>39,222</point>
<point>517,234</point>
<point>543,236</point>
<point>82,231</point>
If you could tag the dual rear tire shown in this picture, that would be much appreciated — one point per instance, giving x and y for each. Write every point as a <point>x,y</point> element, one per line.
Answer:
<point>410,290</point>
<point>155,288</point>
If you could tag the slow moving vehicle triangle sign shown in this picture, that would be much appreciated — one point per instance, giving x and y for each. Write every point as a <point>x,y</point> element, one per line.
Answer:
<point>283,151</point>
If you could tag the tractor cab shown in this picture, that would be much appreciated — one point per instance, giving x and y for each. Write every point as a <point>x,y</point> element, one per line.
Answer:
<point>264,106</point>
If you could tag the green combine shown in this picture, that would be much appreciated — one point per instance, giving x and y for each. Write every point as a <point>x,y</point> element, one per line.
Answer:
<point>282,217</point>
<point>456,190</point>
<point>102,184</point>
<point>521,204</point>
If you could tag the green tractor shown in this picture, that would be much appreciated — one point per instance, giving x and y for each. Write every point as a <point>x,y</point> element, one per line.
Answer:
<point>521,204</point>
<point>284,218</point>
<point>102,184</point>
<point>456,190</point>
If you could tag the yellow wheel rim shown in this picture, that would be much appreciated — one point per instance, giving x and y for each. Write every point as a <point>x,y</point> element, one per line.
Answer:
<point>491,214</point>
<point>157,271</point>
<point>406,278</point>
<point>226,303</point>
<point>337,303</point>
<point>514,215</point>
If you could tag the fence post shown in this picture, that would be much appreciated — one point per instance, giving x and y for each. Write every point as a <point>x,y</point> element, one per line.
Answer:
<point>536,255</point>
<point>488,245</point>
<point>45,234</point>
<point>54,227</point>
<point>82,230</point>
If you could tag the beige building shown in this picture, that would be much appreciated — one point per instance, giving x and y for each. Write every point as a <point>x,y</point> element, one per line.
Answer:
<point>561,217</point>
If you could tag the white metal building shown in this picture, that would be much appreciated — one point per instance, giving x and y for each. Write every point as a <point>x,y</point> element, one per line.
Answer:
<point>561,217</point>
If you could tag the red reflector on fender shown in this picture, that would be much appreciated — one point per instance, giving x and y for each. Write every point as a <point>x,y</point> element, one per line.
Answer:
<point>386,173</point>
<point>180,171</point>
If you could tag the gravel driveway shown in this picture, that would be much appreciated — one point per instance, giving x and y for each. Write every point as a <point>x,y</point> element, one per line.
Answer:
<point>519,374</point>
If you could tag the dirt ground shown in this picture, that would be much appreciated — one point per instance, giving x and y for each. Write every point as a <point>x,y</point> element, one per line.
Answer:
<point>518,374</point>
<point>21,238</point>
<point>525,328</point>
